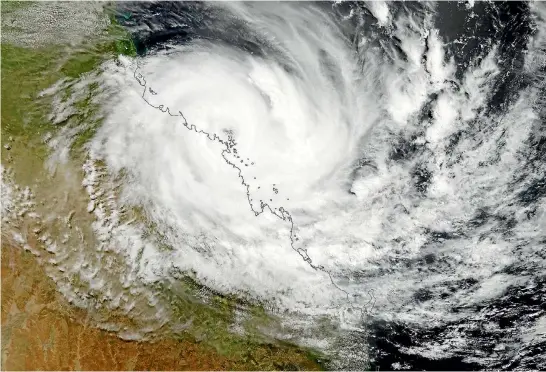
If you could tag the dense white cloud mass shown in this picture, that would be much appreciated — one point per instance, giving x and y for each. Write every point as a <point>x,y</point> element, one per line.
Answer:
<point>297,131</point>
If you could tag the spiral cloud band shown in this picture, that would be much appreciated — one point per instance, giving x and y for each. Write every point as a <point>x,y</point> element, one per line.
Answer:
<point>293,155</point>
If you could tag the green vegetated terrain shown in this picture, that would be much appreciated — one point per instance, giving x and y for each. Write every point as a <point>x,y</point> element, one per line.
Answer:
<point>27,71</point>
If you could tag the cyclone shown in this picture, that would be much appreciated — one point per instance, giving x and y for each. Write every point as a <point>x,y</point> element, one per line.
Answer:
<point>381,165</point>
<point>283,130</point>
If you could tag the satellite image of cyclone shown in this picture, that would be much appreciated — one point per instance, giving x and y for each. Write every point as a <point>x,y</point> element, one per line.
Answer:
<point>273,185</point>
